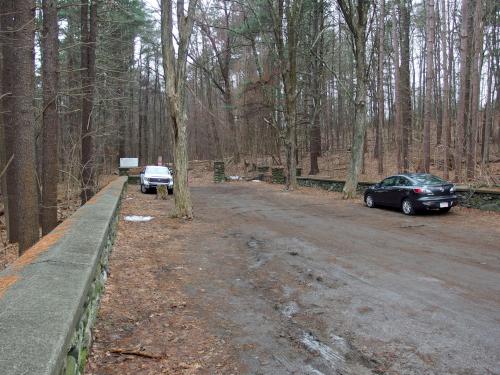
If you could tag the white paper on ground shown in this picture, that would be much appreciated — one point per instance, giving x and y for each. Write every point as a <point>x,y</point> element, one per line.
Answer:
<point>138,218</point>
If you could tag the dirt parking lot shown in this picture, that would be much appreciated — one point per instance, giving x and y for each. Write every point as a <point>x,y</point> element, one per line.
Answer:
<point>270,282</point>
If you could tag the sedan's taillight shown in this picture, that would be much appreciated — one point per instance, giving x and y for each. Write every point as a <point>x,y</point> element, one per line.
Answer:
<point>422,190</point>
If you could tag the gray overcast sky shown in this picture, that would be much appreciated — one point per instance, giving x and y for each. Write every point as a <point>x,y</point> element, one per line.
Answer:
<point>154,4</point>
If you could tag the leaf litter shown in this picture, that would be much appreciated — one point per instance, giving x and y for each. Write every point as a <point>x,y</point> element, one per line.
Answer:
<point>148,322</point>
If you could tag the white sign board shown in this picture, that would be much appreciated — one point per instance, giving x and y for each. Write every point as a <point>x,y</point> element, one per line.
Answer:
<point>129,162</point>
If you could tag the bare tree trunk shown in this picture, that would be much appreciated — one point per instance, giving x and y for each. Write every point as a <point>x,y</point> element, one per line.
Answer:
<point>438,105</point>
<point>8,185</point>
<point>175,88</point>
<point>215,133</point>
<point>286,23</point>
<point>488,116</point>
<point>357,26</point>
<point>405,88</point>
<point>397,86</point>
<point>463,110</point>
<point>50,129</point>
<point>429,82</point>
<point>476,66</point>
<point>224,55</point>
<point>146,125</point>
<point>446,91</point>
<point>317,76</point>
<point>4,92</point>
<point>89,36</point>
<point>140,110</point>
<point>381,111</point>
<point>121,121</point>
<point>20,126</point>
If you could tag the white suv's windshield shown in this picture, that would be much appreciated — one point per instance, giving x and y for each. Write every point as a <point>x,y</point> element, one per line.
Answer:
<point>157,170</point>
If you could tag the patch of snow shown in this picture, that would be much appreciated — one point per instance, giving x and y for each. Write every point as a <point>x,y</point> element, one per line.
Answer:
<point>256,181</point>
<point>234,178</point>
<point>137,218</point>
<point>290,309</point>
<point>333,357</point>
<point>313,371</point>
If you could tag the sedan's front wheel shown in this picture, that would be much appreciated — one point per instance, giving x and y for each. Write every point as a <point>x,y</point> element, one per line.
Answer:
<point>407,207</point>
<point>369,201</point>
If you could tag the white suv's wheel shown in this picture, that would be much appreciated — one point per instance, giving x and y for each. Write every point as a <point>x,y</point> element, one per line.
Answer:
<point>407,207</point>
<point>369,201</point>
<point>144,190</point>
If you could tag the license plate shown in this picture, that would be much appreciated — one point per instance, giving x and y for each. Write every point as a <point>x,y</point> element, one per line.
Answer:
<point>443,204</point>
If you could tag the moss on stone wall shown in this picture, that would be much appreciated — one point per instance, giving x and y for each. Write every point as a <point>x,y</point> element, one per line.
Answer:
<point>219,172</point>
<point>278,175</point>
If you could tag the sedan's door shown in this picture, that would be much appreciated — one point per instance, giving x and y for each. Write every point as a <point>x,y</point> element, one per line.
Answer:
<point>398,191</point>
<point>385,190</point>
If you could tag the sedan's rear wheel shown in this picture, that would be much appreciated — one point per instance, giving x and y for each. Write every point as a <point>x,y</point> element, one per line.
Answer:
<point>407,207</point>
<point>369,201</point>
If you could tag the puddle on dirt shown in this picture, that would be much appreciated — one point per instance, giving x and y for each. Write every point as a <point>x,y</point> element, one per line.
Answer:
<point>235,234</point>
<point>255,244</point>
<point>256,247</point>
<point>287,291</point>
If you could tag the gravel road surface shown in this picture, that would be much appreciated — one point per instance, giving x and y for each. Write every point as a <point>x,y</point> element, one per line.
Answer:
<point>302,282</point>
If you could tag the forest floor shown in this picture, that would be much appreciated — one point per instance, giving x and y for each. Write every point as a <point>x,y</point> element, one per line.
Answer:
<point>264,281</point>
<point>334,164</point>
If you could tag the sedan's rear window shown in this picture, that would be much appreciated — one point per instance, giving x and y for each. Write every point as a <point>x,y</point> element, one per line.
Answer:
<point>428,179</point>
<point>157,170</point>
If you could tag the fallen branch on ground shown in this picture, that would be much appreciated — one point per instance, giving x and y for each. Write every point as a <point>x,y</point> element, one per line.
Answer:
<point>135,352</point>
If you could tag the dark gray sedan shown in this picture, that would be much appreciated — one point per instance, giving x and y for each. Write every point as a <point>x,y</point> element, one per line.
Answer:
<point>412,192</point>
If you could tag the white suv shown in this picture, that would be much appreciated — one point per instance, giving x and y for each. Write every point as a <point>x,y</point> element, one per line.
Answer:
<point>152,176</point>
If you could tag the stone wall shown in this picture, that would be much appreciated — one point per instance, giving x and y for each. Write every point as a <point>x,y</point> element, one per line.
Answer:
<point>50,295</point>
<point>278,175</point>
<point>219,172</point>
<point>484,199</point>
<point>329,184</point>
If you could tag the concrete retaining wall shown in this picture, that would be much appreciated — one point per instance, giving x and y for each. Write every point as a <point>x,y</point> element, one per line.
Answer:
<point>49,296</point>
<point>484,199</point>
